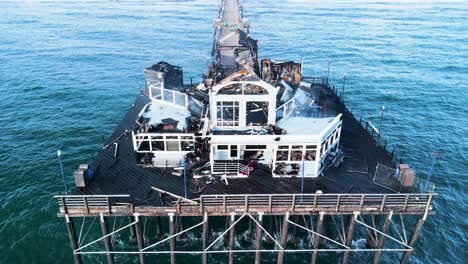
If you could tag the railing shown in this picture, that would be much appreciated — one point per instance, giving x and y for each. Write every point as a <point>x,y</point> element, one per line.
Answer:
<point>306,203</point>
<point>87,203</point>
<point>157,92</point>
<point>372,131</point>
<point>286,109</point>
<point>375,134</point>
<point>316,80</point>
<point>268,203</point>
<point>231,168</point>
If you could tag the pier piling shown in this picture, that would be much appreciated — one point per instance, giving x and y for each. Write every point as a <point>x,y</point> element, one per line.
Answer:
<point>132,230</point>
<point>284,235</point>
<point>171,233</point>
<point>414,238</point>
<point>205,238</point>
<point>380,243</point>
<point>231,238</point>
<point>258,237</point>
<point>107,240</point>
<point>158,227</point>
<point>73,240</point>
<point>316,237</point>
<point>349,236</point>
<point>139,238</point>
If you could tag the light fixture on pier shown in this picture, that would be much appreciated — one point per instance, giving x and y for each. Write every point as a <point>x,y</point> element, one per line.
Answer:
<point>380,122</point>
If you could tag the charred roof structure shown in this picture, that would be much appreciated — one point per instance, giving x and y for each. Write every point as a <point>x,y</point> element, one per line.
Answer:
<point>255,141</point>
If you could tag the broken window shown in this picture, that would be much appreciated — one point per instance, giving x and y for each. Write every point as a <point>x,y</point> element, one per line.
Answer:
<point>310,154</point>
<point>157,143</point>
<point>227,113</point>
<point>256,114</point>
<point>282,155</point>
<point>235,88</point>
<point>254,89</point>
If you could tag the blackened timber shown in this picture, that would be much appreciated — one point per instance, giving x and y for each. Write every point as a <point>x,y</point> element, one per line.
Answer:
<point>139,238</point>
<point>284,236</point>
<point>172,240</point>
<point>316,237</point>
<point>205,237</point>
<point>231,238</point>
<point>73,240</point>
<point>258,237</point>
<point>349,236</point>
<point>107,239</point>
<point>380,243</point>
<point>414,238</point>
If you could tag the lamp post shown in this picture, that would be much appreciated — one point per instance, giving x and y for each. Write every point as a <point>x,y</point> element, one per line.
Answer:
<point>59,156</point>
<point>431,169</point>
<point>329,65</point>
<point>342,89</point>
<point>185,177</point>
<point>380,123</point>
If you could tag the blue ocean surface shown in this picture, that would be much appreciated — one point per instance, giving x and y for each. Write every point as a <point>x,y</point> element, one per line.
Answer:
<point>69,71</point>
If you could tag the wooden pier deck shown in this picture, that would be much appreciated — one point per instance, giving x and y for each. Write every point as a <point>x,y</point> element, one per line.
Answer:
<point>121,189</point>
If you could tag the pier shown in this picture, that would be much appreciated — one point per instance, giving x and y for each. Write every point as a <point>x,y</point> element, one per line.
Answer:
<point>260,152</point>
<point>372,211</point>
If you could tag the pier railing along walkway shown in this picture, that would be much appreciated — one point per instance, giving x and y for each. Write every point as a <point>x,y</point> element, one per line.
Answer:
<point>266,203</point>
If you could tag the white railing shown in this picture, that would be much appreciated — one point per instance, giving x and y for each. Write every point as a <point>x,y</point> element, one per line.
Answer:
<point>158,93</point>
<point>286,109</point>
<point>231,168</point>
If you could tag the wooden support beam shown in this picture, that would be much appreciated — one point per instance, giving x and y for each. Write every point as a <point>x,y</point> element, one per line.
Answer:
<point>231,238</point>
<point>139,238</point>
<point>258,237</point>
<point>414,238</point>
<point>319,230</point>
<point>284,235</point>
<point>107,239</point>
<point>205,238</point>
<point>73,240</point>
<point>349,236</point>
<point>380,243</point>
<point>172,240</point>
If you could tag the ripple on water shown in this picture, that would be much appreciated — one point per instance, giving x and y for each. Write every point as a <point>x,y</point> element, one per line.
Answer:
<point>68,76</point>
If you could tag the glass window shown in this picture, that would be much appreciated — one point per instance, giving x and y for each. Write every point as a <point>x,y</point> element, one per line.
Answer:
<point>227,113</point>
<point>222,147</point>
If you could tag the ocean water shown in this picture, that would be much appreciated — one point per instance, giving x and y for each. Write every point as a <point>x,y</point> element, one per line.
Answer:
<point>69,70</point>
